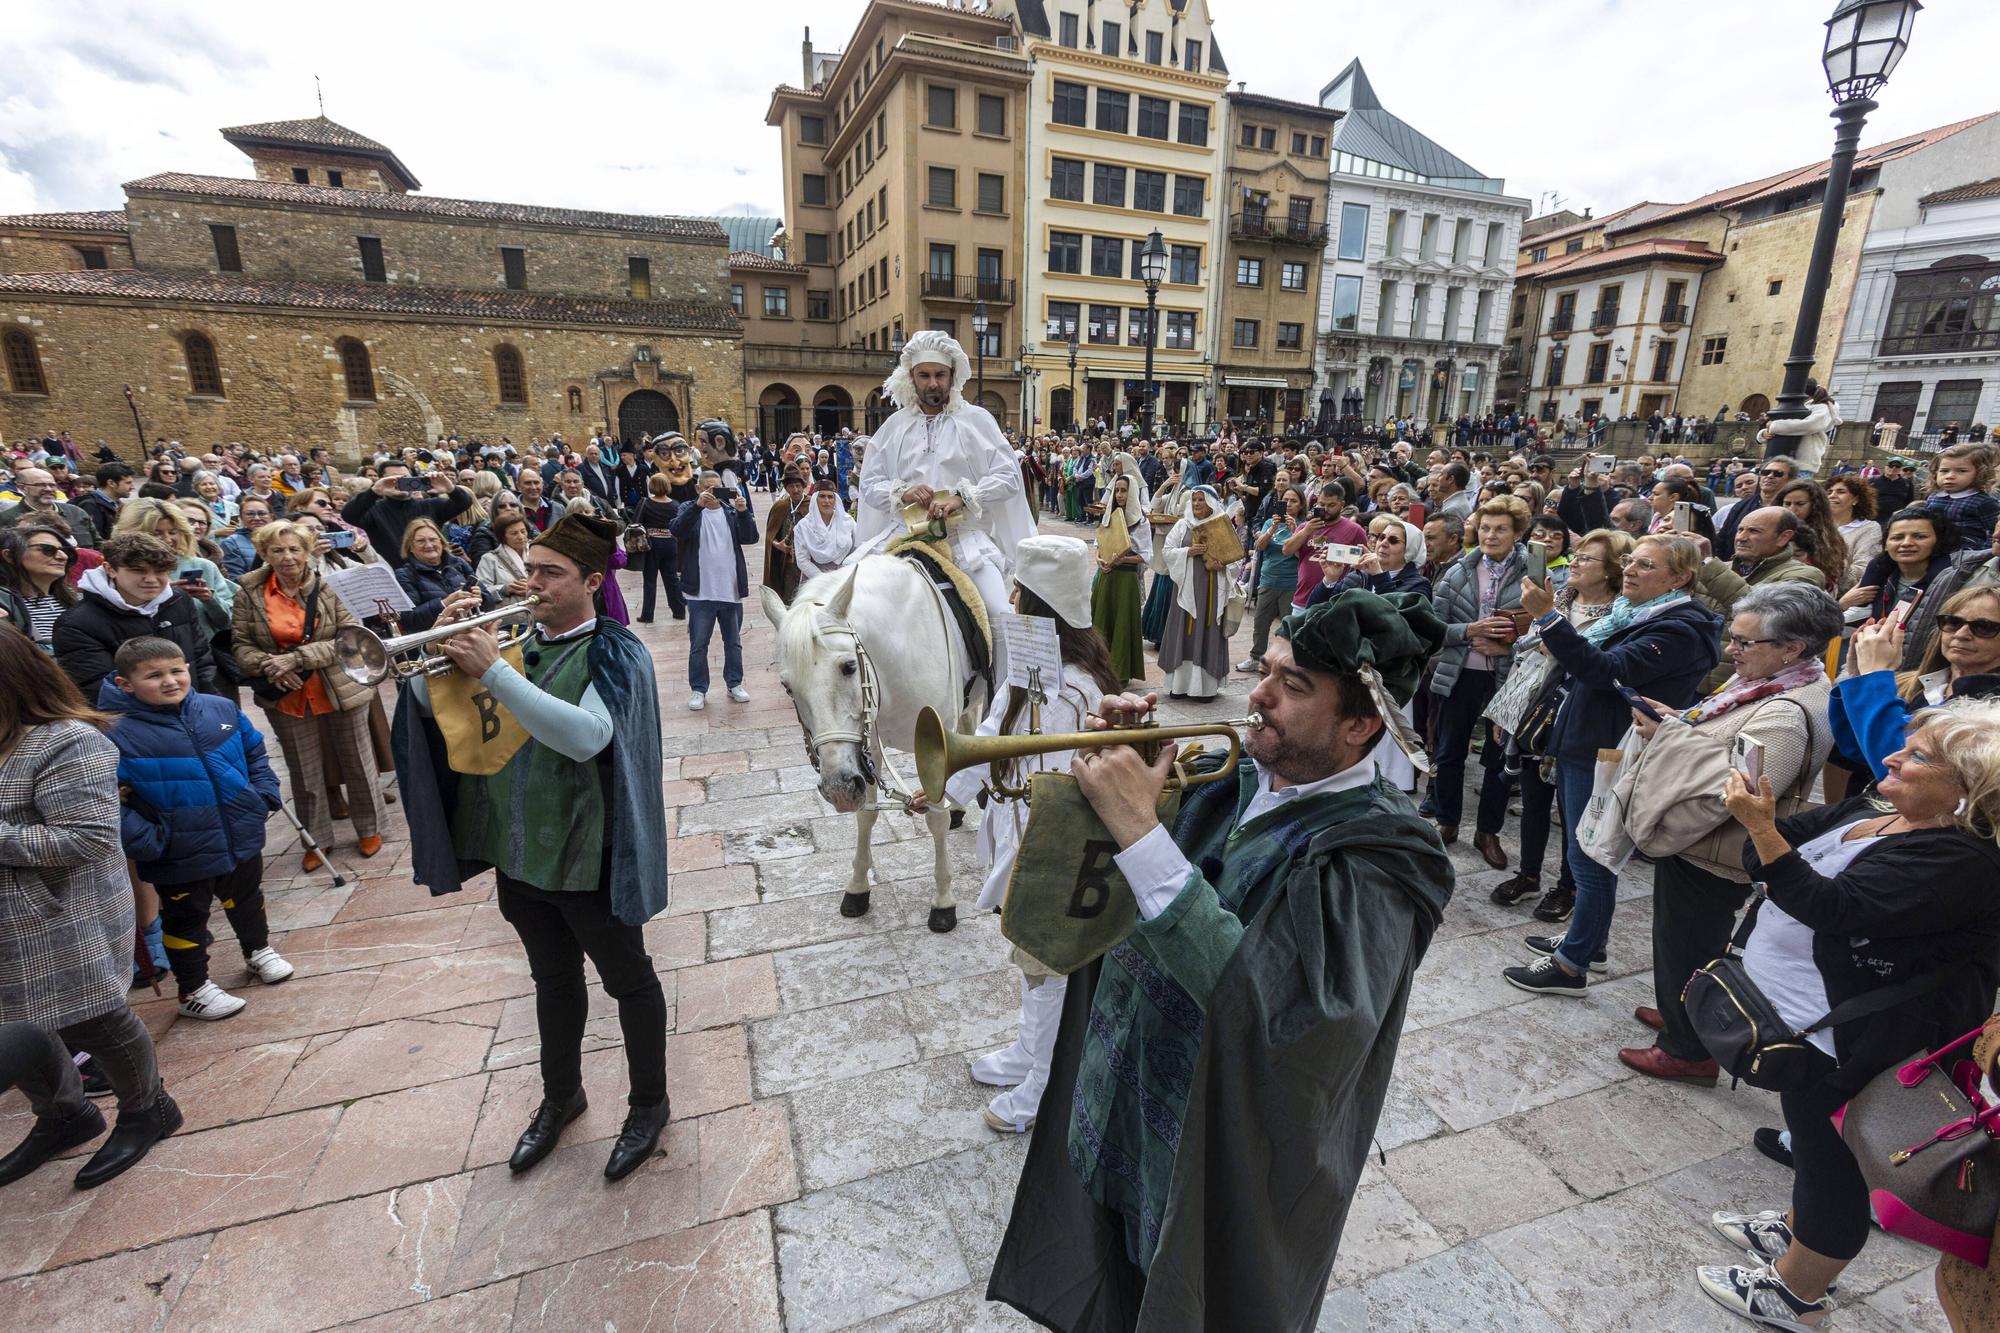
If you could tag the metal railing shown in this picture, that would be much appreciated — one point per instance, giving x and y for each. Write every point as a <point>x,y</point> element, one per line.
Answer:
<point>1562,323</point>
<point>1674,314</point>
<point>957,287</point>
<point>1284,230</point>
<point>1957,340</point>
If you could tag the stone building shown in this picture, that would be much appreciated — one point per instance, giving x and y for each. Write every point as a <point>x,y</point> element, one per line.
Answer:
<point>323,301</point>
<point>1419,266</point>
<point>1276,178</point>
<point>904,170</point>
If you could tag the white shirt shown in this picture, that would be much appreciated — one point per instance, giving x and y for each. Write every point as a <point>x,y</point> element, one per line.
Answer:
<point>1779,953</point>
<point>717,553</point>
<point>1158,871</point>
<point>960,451</point>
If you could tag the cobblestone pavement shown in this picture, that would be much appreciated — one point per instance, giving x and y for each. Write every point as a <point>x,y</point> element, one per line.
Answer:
<point>827,1167</point>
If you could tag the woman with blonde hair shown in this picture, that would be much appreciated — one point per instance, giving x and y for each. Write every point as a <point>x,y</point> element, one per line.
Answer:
<point>212,591</point>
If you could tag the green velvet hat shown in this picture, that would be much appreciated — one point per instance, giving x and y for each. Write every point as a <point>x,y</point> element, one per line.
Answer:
<point>1384,640</point>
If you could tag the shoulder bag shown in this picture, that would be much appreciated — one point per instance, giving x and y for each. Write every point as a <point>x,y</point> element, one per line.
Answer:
<point>261,687</point>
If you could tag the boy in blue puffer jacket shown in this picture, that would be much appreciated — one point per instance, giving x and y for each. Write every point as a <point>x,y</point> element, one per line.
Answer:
<point>196,789</point>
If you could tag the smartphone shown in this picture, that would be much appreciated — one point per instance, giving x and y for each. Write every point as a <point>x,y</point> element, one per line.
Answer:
<point>188,575</point>
<point>1340,553</point>
<point>1684,516</point>
<point>1603,464</point>
<point>412,485</point>
<point>1416,514</point>
<point>1637,704</point>
<point>1746,755</point>
<point>1905,600</point>
<point>340,540</point>
<point>1538,563</point>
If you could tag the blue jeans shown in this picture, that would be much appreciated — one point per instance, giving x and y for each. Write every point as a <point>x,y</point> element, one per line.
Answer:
<point>1596,887</point>
<point>703,617</point>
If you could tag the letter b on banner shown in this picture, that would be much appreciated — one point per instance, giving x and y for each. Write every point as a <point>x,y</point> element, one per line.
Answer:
<point>1093,880</point>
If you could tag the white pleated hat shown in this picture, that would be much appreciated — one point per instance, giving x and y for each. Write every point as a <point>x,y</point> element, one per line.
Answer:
<point>1058,570</point>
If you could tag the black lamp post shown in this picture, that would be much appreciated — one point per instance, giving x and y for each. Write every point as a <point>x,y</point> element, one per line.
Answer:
<point>1865,39</point>
<point>1153,268</point>
<point>1072,374</point>
<point>979,326</point>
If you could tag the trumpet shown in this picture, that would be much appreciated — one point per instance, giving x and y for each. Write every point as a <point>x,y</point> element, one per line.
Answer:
<point>369,659</point>
<point>942,752</point>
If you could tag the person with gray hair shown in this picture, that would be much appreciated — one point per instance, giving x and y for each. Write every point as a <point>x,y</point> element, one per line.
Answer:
<point>1773,705</point>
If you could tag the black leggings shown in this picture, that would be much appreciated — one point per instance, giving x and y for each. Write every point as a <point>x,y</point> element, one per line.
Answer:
<point>184,910</point>
<point>558,930</point>
<point>1540,816</point>
<point>1829,1195</point>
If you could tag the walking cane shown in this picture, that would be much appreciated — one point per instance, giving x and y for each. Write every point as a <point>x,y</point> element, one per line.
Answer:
<point>306,840</point>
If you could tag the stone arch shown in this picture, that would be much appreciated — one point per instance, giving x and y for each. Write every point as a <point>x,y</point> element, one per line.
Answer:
<point>833,408</point>
<point>777,412</point>
<point>646,412</point>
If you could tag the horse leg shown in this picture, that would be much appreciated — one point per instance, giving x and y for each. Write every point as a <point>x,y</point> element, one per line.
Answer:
<point>855,901</point>
<point>944,909</point>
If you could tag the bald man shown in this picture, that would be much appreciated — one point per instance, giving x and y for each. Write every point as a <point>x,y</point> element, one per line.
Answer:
<point>40,495</point>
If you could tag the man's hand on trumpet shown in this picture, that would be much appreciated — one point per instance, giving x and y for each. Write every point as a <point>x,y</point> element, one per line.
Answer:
<point>459,606</point>
<point>1120,785</point>
<point>473,650</point>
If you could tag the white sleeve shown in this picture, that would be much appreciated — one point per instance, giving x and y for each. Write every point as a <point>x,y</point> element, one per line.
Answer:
<point>999,478</point>
<point>1156,870</point>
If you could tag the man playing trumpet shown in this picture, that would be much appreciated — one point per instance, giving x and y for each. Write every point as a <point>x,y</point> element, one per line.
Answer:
<point>1221,1069</point>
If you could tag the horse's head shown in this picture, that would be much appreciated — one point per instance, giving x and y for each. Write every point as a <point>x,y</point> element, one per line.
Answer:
<point>821,665</point>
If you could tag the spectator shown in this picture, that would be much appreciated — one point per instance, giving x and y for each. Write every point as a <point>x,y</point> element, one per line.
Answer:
<point>661,565</point>
<point>429,573</point>
<point>1807,502</point>
<point>1873,892</point>
<point>1554,535</point>
<point>34,568</point>
<point>1778,697</point>
<point>285,622</point>
<point>1632,517</point>
<point>132,595</point>
<point>1872,707</point>
<point>1851,501</point>
<point>196,790</point>
<point>473,536</point>
<point>503,571</point>
<point>1656,640</point>
<point>1444,542</point>
<point>62,869</point>
<point>385,510</point>
<point>1743,487</point>
<point>1277,572</point>
<point>40,495</point>
<point>239,548</point>
<point>257,479</point>
<point>711,534</point>
<point>1966,569</point>
<point>1804,438</point>
<point>542,513</point>
<point>1772,476</point>
<point>1328,522</point>
<point>1962,481</point>
<point>201,519</point>
<point>1916,550</point>
<point>114,485</point>
<point>197,574</point>
<point>1895,489</point>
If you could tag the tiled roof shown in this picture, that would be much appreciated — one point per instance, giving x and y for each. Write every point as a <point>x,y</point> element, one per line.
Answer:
<point>379,201</point>
<point>371,298</point>
<point>106,220</point>
<point>318,132</point>
<point>1957,194</point>
<point>762,262</point>
<point>1609,256</point>
<point>1624,215</point>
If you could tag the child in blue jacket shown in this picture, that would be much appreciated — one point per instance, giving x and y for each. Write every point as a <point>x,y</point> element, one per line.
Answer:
<point>196,789</point>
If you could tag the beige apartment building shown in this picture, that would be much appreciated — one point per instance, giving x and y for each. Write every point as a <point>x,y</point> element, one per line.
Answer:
<point>904,166</point>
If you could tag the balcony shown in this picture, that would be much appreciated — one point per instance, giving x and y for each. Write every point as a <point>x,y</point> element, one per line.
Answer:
<point>1604,319</point>
<point>1952,340</point>
<point>1675,315</point>
<point>1562,323</point>
<point>1282,231</point>
<point>951,287</point>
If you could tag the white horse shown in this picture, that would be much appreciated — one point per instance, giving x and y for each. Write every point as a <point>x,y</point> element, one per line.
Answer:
<point>861,652</point>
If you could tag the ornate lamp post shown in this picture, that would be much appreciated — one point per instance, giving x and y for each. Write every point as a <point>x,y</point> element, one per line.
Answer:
<point>1865,39</point>
<point>1072,374</point>
<point>1152,268</point>
<point>979,326</point>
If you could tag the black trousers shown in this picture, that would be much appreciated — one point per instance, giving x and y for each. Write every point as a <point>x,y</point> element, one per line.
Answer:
<point>1694,913</point>
<point>1829,1193</point>
<point>38,1062</point>
<point>1455,720</point>
<point>1540,816</point>
<point>184,919</point>
<point>661,565</point>
<point>558,930</point>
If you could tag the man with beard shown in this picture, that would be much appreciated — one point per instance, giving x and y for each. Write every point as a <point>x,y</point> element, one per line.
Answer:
<point>1224,1066</point>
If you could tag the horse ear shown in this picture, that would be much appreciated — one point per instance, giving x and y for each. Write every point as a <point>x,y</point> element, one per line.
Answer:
<point>843,597</point>
<point>774,607</point>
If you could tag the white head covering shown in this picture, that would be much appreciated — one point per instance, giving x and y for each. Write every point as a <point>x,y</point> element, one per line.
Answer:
<point>825,542</point>
<point>1058,570</point>
<point>1124,465</point>
<point>929,347</point>
<point>1414,550</point>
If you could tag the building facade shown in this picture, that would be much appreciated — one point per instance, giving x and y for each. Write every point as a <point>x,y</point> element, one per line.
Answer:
<point>357,314</point>
<point>1419,266</point>
<point>1276,174</point>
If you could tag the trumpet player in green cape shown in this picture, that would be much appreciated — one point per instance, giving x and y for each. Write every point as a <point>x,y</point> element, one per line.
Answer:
<point>1221,1070</point>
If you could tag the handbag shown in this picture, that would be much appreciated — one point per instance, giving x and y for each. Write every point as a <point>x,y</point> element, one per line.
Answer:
<point>1923,1135</point>
<point>1601,832</point>
<point>1661,794</point>
<point>261,687</point>
<point>1517,694</point>
<point>636,540</point>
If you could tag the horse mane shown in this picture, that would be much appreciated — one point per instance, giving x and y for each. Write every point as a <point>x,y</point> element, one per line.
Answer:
<point>801,637</point>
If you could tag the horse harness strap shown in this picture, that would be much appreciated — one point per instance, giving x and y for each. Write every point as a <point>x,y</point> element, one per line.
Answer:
<point>979,651</point>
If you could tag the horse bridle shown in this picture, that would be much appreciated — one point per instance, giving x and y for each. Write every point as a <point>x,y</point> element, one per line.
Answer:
<point>863,738</point>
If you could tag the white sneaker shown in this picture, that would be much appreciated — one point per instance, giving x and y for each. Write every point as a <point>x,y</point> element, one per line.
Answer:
<point>210,1002</point>
<point>268,967</point>
<point>1249,664</point>
<point>697,702</point>
<point>739,694</point>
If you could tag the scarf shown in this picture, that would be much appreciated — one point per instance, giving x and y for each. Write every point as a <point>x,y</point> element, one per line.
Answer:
<point>1625,612</point>
<point>825,543</point>
<point>1737,691</point>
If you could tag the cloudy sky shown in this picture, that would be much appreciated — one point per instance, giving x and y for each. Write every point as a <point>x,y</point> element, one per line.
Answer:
<point>660,108</point>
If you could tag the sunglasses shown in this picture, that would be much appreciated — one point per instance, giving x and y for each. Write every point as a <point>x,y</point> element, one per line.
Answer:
<point>1774,472</point>
<point>43,548</point>
<point>1981,629</point>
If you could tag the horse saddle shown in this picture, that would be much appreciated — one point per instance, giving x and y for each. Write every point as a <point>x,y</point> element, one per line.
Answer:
<point>960,598</point>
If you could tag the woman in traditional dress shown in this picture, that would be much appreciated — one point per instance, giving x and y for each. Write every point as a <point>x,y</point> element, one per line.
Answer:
<point>1161,512</point>
<point>1194,651</point>
<point>1114,598</point>
<point>823,540</point>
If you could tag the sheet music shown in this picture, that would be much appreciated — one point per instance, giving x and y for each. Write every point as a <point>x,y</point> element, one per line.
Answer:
<point>1032,643</point>
<point>359,587</point>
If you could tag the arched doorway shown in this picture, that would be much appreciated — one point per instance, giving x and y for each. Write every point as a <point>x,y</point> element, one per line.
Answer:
<point>646,412</point>
<point>833,408</point>
<point>879,409</point>
<point>1756,405</point>
<point>777,413</point>
<point>997,405</point>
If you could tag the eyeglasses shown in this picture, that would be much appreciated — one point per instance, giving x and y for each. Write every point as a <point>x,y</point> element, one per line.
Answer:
<point>1585,560</point>
<point>1634,562</point>
<point>44,548</point>
<point>1981,629</point>
<point>1738,641</point>
<point>1778,472</point>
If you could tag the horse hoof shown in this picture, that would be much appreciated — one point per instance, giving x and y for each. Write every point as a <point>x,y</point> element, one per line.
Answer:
<point>958,819</point>
<point>854,904</point>
<point>943,919</point>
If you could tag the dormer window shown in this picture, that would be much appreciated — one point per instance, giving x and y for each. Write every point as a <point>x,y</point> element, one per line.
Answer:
<point>300,176</point>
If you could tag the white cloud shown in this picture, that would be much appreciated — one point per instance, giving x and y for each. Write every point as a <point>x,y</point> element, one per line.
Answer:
<point>661,110</point>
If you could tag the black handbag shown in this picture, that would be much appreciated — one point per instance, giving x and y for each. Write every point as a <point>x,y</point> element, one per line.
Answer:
<point>261,687</point>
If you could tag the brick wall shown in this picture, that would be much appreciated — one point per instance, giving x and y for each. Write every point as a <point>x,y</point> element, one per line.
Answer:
<point>356,173</point>
<point>283,385</point>
<point>313,244</point>
<point>45,252</point>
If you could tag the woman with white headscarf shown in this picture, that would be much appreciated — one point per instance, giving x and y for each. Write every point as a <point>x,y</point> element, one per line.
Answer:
<point>1161,512</point>
<point>825,538</point>
<point>1194,651</point>
<point>1114,596</point>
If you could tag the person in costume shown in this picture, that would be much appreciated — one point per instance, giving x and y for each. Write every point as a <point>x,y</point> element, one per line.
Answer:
<point>1163,510</point>
<point>1194,649</point>
<point>826,537</point>
<point>945,455</point>
<point>573,825</point>
<point>1223,1067</point>
<point>1114,599</point>
<point>781,566</point>
<point>1052,579</point>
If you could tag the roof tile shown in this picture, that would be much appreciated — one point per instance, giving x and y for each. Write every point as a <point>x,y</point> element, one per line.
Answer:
<point>1959,194</point>
<point>103,220</point>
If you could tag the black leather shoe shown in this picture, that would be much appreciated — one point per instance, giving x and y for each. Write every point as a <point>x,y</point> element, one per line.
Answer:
<point>50,1135</point>
<point>539,1139</point>
<point>131,1139</point>
<point>638,1139</point>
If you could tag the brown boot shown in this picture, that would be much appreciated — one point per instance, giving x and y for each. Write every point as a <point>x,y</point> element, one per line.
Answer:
<point>1488,846</point>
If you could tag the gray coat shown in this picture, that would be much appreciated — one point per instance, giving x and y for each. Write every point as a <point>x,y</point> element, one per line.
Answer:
<point>1455,597</point>
<point>65,900</point>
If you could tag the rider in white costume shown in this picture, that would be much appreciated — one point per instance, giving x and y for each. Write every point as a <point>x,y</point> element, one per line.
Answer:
<point>947,455</point>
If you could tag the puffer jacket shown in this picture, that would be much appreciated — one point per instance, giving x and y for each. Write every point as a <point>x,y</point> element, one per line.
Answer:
<point>87,635</point>
<point>1456,600</point>
<point>255,646</point>
<point>429,585</point>
<point>201,785</point>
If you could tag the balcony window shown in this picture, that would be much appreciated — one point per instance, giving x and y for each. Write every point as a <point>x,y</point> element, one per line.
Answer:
<point>1114,38</point>
<point>1192,63</point>
<point>1066,25</point>
<point>1156,48</point>
<point>1598,367</point>
<point>1952,306</point>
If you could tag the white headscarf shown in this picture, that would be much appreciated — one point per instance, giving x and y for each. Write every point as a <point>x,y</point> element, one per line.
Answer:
<point>1135,493</point>
<point>825,543</point>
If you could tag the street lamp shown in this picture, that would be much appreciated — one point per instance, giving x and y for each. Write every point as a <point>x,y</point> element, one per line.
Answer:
<point>1153,268</point>
<point>1072,373</point>
<point>979,323</point>
<point>1865,40</point>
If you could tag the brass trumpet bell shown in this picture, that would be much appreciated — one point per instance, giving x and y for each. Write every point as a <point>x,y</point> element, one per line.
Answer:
<point>368,659</point>
<point>942,752</point>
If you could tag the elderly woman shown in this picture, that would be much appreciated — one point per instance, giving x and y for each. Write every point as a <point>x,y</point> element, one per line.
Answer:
<point>221,508</point>
<point>285,622</point>
<point>1194,650</point>
<point>66,914</point>
<point>503,571</point>
<point>1872,707</point>
<point>1657,640</point>
<point>1889,890</point>
<point>1777,699</point>
<point>430,573</point>
<point>826,537</point>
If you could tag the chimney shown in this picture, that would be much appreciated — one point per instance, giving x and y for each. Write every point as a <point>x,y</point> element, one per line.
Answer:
<point>806,56</point>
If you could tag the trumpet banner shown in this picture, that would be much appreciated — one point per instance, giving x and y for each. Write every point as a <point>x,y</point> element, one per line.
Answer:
<point>1114,539</point>
<point>480,735</point>
<point>1067,903</point>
